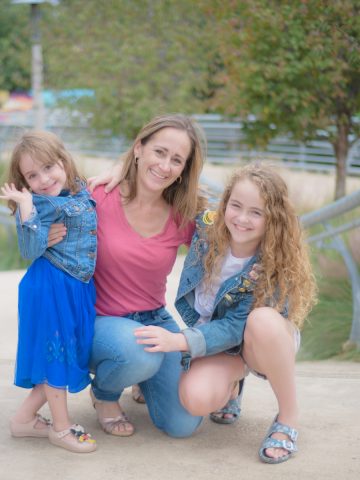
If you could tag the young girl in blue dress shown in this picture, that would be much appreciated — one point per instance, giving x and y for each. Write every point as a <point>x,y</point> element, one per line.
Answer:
<point>57,294</point>
<point>245,289</point>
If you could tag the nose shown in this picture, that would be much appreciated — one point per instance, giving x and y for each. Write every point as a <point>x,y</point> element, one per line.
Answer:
<point>243,216</point>
<point>165,164</point>
<point>44,177</point>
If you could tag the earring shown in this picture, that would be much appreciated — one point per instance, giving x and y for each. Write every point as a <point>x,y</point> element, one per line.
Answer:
<point>136,160</point>
<point>179,179</point>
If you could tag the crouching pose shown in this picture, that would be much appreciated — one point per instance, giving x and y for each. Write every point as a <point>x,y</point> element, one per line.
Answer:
<point>245,289</point>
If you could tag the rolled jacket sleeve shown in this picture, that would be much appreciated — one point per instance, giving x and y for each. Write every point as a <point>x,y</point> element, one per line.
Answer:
<point>33,234</point>
<point>196,342</point>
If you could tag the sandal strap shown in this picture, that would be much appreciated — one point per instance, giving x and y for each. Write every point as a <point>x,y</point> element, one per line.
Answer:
<point>275,443</point>
<point>232,407</point>
<point>78,431</point>
<point>282,428</point>
<point>40,418</point>
<point>109,423</point>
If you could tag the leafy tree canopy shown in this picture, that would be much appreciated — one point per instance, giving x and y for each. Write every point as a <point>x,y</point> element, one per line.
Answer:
<point>15,51</point>
<point>141,58</point>
<point>291,66</point>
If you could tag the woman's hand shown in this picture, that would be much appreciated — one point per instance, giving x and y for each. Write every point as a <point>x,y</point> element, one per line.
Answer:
<point>56,234</point>
<point>111,178</point>
<point>160,339</point>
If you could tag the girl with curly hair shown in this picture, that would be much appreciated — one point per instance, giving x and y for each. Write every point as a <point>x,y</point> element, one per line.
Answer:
<point>245,290</point>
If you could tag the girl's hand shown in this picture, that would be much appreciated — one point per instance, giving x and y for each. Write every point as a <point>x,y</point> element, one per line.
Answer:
<point>56,234</point>
<point>10,192</point>
<point>111,178</point>
<point>161,340</point>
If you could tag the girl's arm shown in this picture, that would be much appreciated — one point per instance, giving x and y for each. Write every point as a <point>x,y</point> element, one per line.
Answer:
<point>33,232</point>
<point>160,339</point>
<point>207,339</point>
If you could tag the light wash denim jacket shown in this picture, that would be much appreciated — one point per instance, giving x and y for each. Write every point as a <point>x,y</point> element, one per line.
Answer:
<point>76,253</point>
<point>232,304</point>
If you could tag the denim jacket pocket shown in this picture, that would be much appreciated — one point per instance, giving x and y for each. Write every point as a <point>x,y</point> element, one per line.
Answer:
<point>73,209</point>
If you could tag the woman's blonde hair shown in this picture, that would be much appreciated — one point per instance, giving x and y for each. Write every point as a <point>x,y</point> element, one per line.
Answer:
<point>46,148</point>
<point>183,195</point>
<point>285,272</point>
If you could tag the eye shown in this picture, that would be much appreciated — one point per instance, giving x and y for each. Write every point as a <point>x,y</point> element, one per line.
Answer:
<point>48,166</point>
<point>31,176</point>
<point>159,153</point>
<point>177,161</point>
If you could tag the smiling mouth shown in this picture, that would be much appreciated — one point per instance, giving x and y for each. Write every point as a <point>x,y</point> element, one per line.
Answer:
<point>50,187</point>
<point>157,175</point>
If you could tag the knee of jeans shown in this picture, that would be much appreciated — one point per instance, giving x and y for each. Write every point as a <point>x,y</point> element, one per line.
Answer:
<point>182,427</point>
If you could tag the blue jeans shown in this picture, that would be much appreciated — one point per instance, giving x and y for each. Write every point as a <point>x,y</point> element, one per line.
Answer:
<point>118,362</point>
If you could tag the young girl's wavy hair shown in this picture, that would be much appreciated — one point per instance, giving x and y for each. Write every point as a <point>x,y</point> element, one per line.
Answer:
<point>46,148</point>
<point>285,271</point>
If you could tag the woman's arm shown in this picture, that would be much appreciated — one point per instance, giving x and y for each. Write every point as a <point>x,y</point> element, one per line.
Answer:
<point>111,178</point>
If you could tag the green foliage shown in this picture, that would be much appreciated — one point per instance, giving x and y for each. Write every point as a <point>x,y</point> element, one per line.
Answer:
<point>15,49</point>
<point>290,66</point>
<point>141,58</point>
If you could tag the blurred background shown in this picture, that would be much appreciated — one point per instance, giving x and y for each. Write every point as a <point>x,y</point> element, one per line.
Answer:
<point>279,81</point>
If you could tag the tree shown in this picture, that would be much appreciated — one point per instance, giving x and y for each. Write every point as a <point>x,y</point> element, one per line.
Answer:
<point>141,58</point>
<point>291,67</point>
<point>15,49</point>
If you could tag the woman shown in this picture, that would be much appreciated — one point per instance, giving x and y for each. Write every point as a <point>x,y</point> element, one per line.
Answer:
<point>141,224</point>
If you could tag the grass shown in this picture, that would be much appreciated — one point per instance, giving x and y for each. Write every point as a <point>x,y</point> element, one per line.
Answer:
<point>328,327</point>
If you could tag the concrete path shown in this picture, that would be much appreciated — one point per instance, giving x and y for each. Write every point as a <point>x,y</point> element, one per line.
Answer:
<point>329,444</point>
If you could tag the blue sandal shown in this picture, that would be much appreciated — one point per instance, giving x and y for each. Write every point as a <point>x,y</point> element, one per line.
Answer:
<point>269,442</point>
<point>232,408</point>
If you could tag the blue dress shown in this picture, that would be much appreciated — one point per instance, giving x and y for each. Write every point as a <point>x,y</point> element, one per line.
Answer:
<point>57,308</point>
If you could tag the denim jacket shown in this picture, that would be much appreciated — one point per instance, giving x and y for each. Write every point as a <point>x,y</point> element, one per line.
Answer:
<point>232,305</point>
<point>76,253</point>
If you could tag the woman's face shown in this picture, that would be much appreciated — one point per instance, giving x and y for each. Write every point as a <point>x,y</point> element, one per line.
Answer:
<point>162,159</point>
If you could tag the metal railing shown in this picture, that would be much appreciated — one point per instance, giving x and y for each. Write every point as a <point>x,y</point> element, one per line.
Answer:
<point>225,141</point>
<point>330,238</point>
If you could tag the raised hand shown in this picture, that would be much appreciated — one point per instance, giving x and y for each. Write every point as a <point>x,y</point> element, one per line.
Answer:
<point>10,192</point>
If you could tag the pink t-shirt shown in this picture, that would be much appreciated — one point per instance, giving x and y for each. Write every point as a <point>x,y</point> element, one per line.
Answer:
<point>131,271</point>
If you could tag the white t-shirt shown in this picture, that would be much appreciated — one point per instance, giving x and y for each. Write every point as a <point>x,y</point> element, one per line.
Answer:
<point>205,293</point>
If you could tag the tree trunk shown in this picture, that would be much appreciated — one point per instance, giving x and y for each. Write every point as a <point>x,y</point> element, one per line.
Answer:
<point>341,148</point>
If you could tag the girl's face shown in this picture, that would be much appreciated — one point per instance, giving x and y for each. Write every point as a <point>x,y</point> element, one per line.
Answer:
<point>245,218</point>
<point>43,178</point>
<point>162,159</point>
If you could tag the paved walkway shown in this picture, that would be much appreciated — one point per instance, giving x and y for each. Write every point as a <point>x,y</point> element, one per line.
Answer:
<point>329,396</point>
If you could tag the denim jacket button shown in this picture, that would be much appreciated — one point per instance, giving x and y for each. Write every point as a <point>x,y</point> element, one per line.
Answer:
<point>93,232</point>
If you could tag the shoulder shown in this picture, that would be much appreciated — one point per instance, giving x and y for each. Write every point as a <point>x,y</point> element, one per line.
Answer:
<point>101,197</point>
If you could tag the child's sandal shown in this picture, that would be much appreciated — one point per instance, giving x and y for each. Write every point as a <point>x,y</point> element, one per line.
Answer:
<point>74,439</point>
<point>29,429</point>
<point>288,445</point>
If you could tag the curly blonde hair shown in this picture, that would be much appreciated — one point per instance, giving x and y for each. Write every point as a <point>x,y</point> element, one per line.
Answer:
<point>285,271</point>
<point>46,148</point>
